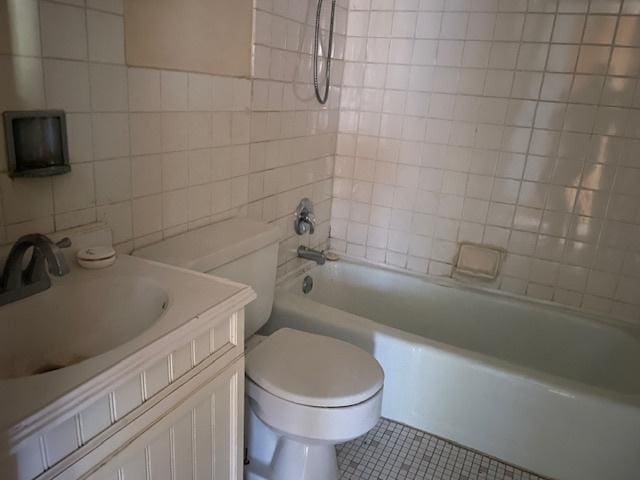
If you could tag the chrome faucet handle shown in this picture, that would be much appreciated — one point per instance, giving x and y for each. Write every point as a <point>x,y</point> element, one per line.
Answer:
<point>305,219</point>
<point>310,220</point>
<point>64,243</point>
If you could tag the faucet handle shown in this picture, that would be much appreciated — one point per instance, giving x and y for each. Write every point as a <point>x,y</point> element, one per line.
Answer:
<point>64,243</point>
<point>305,220</point>
<point>310,220</point>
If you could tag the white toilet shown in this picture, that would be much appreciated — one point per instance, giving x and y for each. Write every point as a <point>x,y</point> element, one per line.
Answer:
<point>305,393</point>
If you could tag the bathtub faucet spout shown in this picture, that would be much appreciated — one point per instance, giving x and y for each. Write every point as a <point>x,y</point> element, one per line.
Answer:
<point>311,254</point>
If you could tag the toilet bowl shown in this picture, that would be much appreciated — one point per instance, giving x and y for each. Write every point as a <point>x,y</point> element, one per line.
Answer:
<point>305,392</point>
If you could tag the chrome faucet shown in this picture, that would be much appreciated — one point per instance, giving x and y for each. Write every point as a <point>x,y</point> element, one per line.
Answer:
<point>305,219</point>
<point>310,254</point>
<point>19,282</point>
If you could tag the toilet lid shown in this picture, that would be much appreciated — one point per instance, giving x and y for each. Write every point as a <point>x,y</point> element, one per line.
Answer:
<point>314,370</point>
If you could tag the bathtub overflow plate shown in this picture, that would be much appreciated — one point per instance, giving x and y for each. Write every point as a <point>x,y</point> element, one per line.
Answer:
<point>307,284</point>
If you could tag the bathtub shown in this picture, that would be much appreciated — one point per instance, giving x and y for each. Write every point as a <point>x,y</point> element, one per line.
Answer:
<point>538,386</point>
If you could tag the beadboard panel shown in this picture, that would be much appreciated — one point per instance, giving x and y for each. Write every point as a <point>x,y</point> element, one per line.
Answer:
<point>200,438</point>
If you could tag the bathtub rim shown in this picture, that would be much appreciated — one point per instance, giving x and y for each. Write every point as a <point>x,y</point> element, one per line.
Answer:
<point>555,383</point>
<point>628,327</point>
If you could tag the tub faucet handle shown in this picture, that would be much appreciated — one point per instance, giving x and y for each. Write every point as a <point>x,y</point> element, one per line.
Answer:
<point>305,219</point>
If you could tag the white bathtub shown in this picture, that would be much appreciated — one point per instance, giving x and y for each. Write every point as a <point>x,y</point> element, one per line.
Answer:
<point>540,387</point>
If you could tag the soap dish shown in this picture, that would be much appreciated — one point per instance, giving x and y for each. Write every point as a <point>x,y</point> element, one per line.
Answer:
<point>96,257</point>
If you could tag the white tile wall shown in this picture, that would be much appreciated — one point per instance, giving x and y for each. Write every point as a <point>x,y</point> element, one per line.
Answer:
<point>155,153</point>
<point>509,123</point>
<point>512,123</point>
<point>293,139</point>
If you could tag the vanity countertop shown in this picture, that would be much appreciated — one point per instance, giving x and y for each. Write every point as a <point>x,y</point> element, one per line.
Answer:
<point>190,296</point>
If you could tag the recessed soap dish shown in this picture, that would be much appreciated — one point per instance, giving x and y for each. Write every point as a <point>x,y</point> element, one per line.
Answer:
<point>36,143</point>
<point>480,261</point>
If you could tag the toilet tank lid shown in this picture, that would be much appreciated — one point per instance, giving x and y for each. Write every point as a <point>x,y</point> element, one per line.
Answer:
<point>212,246</point>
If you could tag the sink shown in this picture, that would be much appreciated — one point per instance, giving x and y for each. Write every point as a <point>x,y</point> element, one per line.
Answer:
<point>64,347</point>
<point>74,321</point>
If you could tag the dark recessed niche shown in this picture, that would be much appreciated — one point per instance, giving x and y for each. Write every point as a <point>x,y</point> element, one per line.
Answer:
<point>36,143</point>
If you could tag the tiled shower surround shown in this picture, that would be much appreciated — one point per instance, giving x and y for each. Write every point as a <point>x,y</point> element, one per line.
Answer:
<point>155,153</point>
<point>512,123</point>
<point>507,122</point>
<point>288,124</point>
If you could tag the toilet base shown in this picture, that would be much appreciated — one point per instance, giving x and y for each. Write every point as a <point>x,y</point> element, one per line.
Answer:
<point>296,461</point>
<point>273,456</point>
<point>289,441</point>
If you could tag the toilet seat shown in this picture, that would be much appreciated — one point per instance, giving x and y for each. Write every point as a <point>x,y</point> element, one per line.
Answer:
<point>314,424</point>
<point>313,370</point>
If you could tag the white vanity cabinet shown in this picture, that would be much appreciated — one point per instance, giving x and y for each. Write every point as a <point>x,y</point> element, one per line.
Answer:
<point>172,410</point>
<point>189,427</point>
<point>199,438</point>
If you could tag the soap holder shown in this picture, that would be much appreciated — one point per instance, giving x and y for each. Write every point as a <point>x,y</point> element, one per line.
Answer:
<point>478,261</point>
<point>96,257</point>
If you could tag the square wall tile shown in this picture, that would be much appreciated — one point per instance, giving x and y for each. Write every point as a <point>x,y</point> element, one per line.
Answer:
<point>119,217</point>
<point>79,137</point>
<point>174,91</point>
<point>199,92</point>
<point>175,170</point>
<point>241,94</point>
<point>74,190</point>
<point>222,93</point>
<point>25,199</point>
<point>67,85</point>
<point>568,28</point>
<point>600,29</point>
<point>147,215</point>
<point>63,31</point>
<point>110,135</point>
<point>146,133</point>
<point>147,175</point>
<point>113,180</point>
<point>108,88</point>
<point>106,37</point>
<point>199,201</point>
<point>175,208</point>
<point>144,90</point>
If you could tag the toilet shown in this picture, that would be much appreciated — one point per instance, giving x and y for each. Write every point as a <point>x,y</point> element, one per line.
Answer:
<point>305,393</point>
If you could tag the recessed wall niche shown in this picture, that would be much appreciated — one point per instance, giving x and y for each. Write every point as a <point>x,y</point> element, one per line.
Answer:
<point>36,143</point>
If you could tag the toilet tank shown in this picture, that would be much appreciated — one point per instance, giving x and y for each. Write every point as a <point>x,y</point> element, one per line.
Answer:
<point>239,249</point>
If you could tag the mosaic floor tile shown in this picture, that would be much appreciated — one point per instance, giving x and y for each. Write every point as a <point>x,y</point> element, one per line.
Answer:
<point>392,451</point>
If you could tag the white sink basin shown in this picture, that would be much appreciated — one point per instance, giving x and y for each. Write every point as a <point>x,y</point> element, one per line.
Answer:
<point>94,326</point>
<point>74,321</point>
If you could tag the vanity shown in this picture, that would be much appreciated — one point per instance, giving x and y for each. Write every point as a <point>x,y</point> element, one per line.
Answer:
<point>127,372</point>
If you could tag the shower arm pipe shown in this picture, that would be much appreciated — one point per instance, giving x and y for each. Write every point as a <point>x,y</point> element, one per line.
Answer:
<point>322,97</point>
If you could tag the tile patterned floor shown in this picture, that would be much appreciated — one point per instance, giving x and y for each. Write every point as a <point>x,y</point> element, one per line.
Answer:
<point>392,451</point>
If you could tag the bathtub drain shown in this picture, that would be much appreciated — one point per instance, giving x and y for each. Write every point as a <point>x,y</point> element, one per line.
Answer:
<point>307,284</point>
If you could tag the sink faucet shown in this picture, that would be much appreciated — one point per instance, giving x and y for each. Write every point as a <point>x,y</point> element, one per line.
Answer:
<point>311,254</point>
<point>19,282</point>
